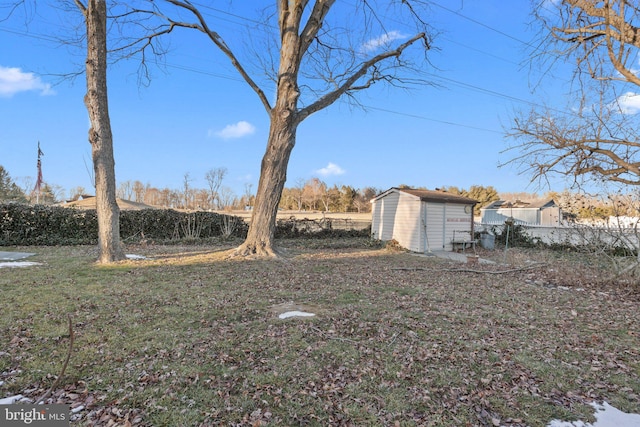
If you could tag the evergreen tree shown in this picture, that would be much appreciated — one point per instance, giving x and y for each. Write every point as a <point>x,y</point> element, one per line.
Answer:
<point>9,190</point>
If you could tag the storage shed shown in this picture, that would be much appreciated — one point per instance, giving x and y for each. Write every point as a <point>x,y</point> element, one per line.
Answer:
<point>422,220</point>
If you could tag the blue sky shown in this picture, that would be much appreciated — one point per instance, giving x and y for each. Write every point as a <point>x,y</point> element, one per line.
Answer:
<point>197,114</point>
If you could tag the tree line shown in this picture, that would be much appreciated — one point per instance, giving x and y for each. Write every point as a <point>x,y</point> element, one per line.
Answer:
<point>315,195</point>
<point>304,195</point>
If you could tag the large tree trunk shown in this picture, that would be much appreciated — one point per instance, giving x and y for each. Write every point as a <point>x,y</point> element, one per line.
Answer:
<point>273,174</point>
<point>100,136</point>
<point>299,23</point>
<point>284,121</point>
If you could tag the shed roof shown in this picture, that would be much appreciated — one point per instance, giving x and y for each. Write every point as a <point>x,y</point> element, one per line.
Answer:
<point>431,196</point>
<point>539,204</point>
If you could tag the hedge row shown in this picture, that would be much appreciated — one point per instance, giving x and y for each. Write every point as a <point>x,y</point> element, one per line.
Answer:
<point>22,224</point>
<point>26,225</point>
<point>293,228</point>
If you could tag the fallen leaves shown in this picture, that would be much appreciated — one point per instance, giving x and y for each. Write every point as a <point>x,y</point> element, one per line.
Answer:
<point>396,340</point>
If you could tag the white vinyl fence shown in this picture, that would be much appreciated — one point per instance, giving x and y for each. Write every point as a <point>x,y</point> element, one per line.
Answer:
<point>575,235</point>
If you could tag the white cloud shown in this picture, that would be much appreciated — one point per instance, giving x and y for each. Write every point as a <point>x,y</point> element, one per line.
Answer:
<point>383,40</point>
<point>331,169</point>
<point>237,130</point>
<point>629,103</point>
<point>14,80</point>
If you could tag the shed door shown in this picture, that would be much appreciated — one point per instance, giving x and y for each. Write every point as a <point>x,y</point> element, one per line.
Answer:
<point>434,222</point>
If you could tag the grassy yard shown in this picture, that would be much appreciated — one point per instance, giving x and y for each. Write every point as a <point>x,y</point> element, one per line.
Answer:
<point>190,338</point>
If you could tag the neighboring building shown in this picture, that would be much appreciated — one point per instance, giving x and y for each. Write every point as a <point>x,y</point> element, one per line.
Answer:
<point>422,220</point>
<point>545,212</point>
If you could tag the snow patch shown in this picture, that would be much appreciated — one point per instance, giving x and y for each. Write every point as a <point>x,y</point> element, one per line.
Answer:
<point>14,256</point>
<point>606,416</point>
<point>18,264</point>
<point>11,400</point>
<point>296,313</point>
<point>133,256</point>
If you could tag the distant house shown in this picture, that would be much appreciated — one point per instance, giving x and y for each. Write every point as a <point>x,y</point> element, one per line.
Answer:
<point>545,212</point>
<point>422,220</point>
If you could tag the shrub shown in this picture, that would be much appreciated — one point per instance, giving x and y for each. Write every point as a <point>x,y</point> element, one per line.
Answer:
<point>514,235</point>
<point>22,224</point>
<point>310,228</point>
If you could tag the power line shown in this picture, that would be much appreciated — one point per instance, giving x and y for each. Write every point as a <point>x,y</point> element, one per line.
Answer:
<point>430,119</point>
<point>240,17</point>
<point>482,24</point>
<point>467,86</point>
<point>207,73</point>
<point>31,35</point>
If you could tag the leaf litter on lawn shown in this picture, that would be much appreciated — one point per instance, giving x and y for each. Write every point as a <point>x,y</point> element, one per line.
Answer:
<point>190,338</point>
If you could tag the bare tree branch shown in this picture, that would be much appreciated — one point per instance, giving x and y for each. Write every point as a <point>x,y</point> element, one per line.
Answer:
<point>599,137</point>
<point>12,7</point>
<point>349,84</point>
<point>81,6</point>
<point>600,144</point>
<point>221,44</point>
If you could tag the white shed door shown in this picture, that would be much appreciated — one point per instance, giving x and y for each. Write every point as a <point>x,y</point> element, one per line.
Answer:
<point>434,221</point>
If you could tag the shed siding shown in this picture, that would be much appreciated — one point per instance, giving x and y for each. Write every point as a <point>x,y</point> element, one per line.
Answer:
<point>383,216</point>
<point>397,216</point>
<point>434,214</point>
<point>406,229</point>
<point>456,220</point>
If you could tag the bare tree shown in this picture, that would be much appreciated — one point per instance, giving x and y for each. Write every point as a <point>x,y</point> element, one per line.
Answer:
<point>187,195</point>
<point>362,201</point>
<point>226,197</point>
<point>247,193</point>
<point>314,189</point>
<point>138,191</point>
<point>152,196</point>
<point>214,179</point>
<point>100,136</point>
<point>26,184</point>
<point>125,190</point>
<point>201,199</point>
<point>596,136</point>
<point>312,71</point>
<point>298,192</point>
<point>77,192</point>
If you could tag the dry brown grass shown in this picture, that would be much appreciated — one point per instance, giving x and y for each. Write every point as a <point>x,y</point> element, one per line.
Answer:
<point>189,338</point>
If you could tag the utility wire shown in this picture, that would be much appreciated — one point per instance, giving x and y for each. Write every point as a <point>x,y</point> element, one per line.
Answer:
<point>418,116</point>
<point>482,24</point>
<point>467,86</point>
